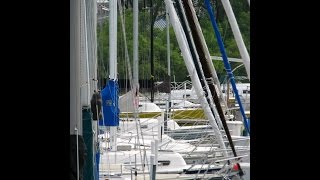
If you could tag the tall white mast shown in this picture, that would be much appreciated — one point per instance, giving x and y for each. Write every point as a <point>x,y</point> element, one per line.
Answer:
<point>85,58</point>
<point>237,35</point>
<point>168,41</point>
<point>135,47</point>
<point>113,59</point>
<point>193,75</point>
<point>113,39</point>
<point>168,106</point>
<point>75,106</point>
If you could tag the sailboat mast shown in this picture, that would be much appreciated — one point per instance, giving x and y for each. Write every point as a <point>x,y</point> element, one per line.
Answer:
<point>192,19</point>
<point>76,138</point>
<point>207,57</point>
<point>166,116</point>
<point>135,47</point>
<point>151,51</point>
<point>196,56</point>
<point>86,88</point>
<point>113,60</point>
<point>75,106</point>
<point>237,35</point>
<point>226,62</point>
<point>181,38</point>
<point>113,39</point>
<point>168,42</point>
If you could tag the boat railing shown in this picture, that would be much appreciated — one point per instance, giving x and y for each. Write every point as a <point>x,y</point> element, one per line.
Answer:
<point>181,85</point>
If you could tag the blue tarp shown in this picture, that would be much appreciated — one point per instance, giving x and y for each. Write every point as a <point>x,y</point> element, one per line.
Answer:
<point>97,165</point>
<point>110,105</point>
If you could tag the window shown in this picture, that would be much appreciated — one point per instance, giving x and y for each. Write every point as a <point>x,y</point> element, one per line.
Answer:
<point>246,91</point>
<point>186,95</point>
<point>164,163</point>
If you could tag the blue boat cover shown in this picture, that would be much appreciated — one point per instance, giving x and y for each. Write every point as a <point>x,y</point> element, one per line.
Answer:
<point>110,105</point>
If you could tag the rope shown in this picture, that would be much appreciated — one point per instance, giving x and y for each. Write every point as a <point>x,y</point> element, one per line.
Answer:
<point>131,85</point>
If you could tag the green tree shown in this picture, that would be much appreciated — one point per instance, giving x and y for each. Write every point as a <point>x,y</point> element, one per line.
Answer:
<point>178,68</point>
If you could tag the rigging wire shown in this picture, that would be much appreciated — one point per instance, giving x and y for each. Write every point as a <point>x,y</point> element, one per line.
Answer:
<point>131,85</point>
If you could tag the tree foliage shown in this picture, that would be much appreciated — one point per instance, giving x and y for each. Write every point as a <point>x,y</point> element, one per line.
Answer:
<point>178,69</point>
